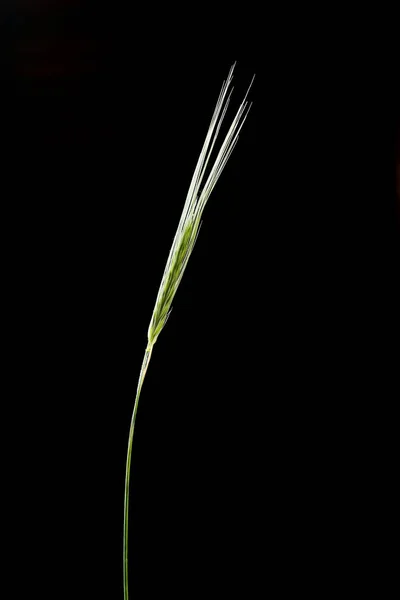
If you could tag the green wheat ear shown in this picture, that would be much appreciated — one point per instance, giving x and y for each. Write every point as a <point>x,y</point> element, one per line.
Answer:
<point>182,246</point>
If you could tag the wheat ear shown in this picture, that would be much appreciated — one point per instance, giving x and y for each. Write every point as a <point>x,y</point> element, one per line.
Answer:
<point>181,250</point>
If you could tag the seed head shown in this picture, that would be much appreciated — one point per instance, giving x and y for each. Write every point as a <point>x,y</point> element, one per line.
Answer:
<point>196,200</point>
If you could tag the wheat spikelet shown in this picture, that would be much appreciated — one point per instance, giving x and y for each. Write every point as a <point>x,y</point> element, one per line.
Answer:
<point>196,200</point>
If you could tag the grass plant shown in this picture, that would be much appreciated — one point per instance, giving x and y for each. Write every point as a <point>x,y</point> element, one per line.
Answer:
<point>200,188</point>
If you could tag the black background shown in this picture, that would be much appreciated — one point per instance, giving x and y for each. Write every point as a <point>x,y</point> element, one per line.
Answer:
<point>248,452</point>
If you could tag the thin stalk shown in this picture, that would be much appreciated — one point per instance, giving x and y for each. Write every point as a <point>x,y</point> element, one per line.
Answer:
<point>145,364</point>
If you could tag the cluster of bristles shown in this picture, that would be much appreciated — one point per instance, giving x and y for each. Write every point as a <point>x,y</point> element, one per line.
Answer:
<point>196,200</point>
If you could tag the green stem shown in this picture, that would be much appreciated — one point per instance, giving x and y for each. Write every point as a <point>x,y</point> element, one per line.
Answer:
<point>143,370</point>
